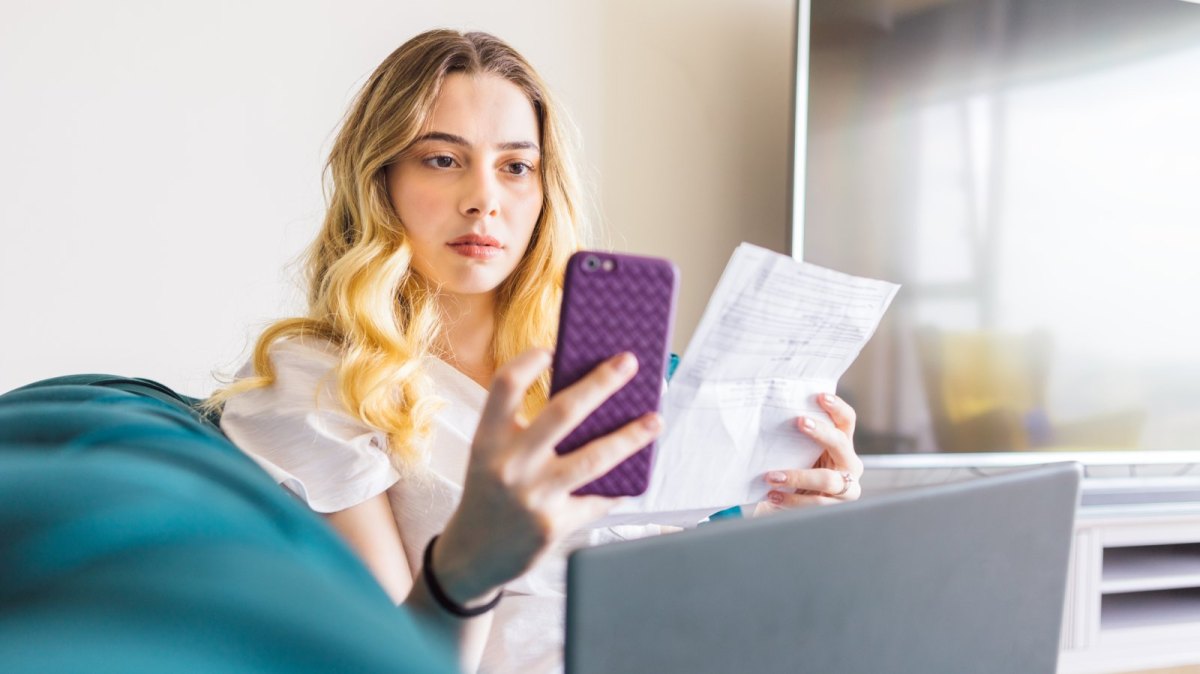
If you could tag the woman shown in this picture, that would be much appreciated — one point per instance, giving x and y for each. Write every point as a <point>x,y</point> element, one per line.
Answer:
<point>436,277</point>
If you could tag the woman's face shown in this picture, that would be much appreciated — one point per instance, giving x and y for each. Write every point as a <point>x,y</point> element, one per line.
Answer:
<point>469,191</point>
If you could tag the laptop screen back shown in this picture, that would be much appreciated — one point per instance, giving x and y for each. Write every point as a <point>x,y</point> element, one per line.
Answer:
<point>968,577</point>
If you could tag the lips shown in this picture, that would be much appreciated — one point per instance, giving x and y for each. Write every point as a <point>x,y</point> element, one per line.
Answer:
<point>476,246</point>
<point>476,240</point>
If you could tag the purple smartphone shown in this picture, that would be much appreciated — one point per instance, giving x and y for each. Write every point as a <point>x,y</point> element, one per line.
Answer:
<point>614,303</point>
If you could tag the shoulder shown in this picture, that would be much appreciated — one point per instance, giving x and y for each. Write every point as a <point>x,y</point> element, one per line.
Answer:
<point>304,374</point>
<point>299,356</point>
<point>299,431</point>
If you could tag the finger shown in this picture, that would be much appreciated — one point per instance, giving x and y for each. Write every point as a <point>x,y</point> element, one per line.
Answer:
<point>835,442</point>
<point>569,407</point>
<point>507,393</point>
<point>599,456</point>
<point>843,415</point>
<point>584,510</point>
<point>821,480</point>
<point>765,508</point>
<point>787,500</point>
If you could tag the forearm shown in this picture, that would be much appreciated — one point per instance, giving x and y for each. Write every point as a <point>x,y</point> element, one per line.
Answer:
<point>466,635</point>
<point>370,529</point>
<point>449,588</point>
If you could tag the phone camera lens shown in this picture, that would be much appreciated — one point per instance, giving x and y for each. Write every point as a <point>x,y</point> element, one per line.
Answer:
<point>591,263</point>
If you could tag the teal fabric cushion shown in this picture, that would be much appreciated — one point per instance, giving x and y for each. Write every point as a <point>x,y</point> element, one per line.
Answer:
<point>137,538</point>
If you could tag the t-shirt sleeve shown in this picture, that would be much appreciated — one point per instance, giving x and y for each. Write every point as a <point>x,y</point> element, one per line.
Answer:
<point>300,433</point>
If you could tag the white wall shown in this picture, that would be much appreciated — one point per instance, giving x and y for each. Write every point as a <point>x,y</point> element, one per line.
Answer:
<point>160,162</point>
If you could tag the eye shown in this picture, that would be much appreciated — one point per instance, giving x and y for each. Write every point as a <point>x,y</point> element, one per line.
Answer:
<point>442,161</point>
<point>519,168</point>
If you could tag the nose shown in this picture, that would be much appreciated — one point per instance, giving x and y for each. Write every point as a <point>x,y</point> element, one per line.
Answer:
<point>481,195</point>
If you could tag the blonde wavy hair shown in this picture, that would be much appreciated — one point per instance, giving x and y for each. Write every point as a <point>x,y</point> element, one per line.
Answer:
<point>364,296</point>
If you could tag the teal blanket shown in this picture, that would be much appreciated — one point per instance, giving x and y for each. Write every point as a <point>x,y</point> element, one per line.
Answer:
<point>135,537</point>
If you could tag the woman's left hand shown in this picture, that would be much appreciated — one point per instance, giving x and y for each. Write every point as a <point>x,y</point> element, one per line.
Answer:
<point>834,476</point>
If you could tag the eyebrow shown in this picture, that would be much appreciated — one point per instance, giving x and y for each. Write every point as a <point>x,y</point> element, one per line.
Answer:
<point>459,140</point>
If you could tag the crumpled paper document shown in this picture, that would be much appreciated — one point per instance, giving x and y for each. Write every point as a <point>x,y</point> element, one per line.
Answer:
<point>776,333</point>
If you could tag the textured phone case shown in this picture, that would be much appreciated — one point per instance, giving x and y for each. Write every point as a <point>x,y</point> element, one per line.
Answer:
<point>614,303</point>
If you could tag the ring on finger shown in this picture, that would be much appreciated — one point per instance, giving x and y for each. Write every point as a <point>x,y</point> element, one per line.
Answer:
<point>847,480</point>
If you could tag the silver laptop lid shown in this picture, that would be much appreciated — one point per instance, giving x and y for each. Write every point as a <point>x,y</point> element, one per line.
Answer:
<point>968,577</point>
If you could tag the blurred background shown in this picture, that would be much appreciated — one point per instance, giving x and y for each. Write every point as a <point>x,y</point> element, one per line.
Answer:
<point>1025,168</point>
<point>160,163</point>
<point>1030,171</point>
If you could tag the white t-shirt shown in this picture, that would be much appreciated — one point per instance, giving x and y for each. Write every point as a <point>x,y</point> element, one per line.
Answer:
<point>301,434</point>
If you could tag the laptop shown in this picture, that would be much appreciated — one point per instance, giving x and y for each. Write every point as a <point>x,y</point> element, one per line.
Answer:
<point>966,577</point>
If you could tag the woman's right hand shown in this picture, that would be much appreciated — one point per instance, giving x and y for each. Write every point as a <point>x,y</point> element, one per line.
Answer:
<point>517,500</point>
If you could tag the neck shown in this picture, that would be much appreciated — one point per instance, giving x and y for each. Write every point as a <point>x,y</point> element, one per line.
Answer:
<point>468,326</point>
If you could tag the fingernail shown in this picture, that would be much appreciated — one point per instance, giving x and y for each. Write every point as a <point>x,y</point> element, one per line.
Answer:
<point>652,423</point>
<point>775,497</point>
<point>829,398</point>
<point>626,363</point>
<point>807,424</point>
<point>776,476</point>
